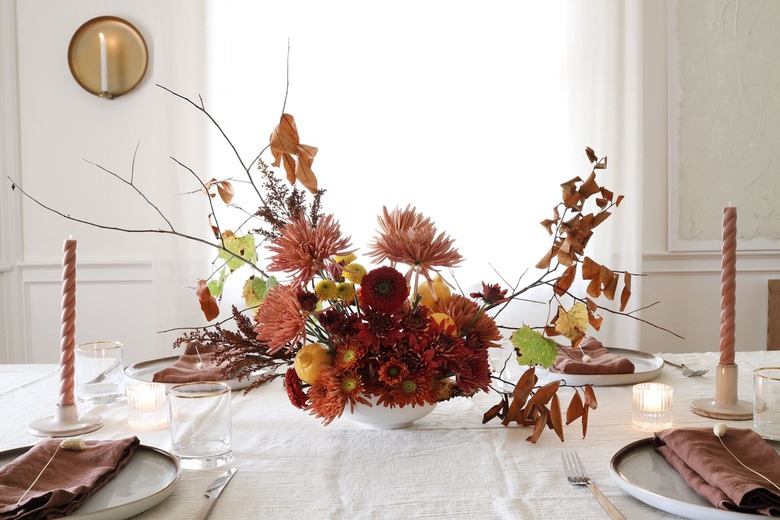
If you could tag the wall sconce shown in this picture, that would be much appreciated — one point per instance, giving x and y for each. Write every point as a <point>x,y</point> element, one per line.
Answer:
<point>107,56</point>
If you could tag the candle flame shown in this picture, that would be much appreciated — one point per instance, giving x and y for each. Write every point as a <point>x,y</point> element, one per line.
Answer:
<point>102,38</point>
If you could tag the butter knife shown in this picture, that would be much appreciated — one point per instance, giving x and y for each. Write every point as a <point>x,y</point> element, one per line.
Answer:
<point>212,491</point>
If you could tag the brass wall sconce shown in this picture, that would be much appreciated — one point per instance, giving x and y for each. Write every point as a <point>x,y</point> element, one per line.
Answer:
<point>107,56</point>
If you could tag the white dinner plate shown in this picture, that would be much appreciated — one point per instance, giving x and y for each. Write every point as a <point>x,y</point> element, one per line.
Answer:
<point>145,370</point>
<point>146,481</point>
<point>644,474</point>
<point>646,367</point>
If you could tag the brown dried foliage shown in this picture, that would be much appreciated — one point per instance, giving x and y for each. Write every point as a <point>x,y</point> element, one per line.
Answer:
<point>540,407</point>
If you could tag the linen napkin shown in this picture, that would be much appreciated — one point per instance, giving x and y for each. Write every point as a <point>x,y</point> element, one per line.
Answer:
<point>708,468</point>
<point>186,368</point>
<point>68,481</point>
<point>569,361</point>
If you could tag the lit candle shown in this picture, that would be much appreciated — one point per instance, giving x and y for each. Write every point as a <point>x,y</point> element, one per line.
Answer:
<point>728,285</point>
<point>146,405</point>
<point>103,65</point>
<point>68,330</point>
<point>652,408</point>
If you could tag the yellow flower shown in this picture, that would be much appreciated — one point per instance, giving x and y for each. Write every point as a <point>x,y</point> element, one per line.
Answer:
<point>326,290</point>
<point>345,259</point>
<point>346,292</point>
<point>354,272</point>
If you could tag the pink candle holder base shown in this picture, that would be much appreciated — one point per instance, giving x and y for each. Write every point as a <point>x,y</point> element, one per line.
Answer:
<point>66,422</point>
<point>725,405</point>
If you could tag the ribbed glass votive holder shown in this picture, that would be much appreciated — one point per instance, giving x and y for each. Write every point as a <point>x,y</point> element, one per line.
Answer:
<point>146,406</point>
<point>652,406</point>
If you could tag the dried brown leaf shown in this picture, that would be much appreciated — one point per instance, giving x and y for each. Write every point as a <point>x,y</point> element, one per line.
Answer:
<point>619,200</point>
<point>556,419</point>
<point>592,306</point>
<point>539,424</point>
<point>563,283</point>
<point>601,217</point>
<point>589,187</point>
<point>520,395</point>
<point>544,394</point>
<point>493,412</point>
<point>544,263</point>
<point>595,321</point>
<point>208,304</point>
<point>611,288</point>
<point>594,287</point>
<point>607,194</point>
<point>591,154</point>
<point>590,398</point>
<point>584,422</point>
<point>625,294</point>
<point>575,409</point>
<point>226,191</point>
<point>590,269</point>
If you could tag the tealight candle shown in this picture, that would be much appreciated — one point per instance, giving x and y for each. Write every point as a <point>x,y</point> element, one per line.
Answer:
<point>146,406</point>
<point>652,406</point>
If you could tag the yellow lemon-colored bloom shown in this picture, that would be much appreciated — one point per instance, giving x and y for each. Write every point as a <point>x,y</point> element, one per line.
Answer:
<point>326,290</point>
<point>345,259</point>
<point>354,272</point>
<point>346,291</point>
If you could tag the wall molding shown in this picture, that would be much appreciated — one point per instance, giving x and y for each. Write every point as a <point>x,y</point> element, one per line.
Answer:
<point>754,262</point>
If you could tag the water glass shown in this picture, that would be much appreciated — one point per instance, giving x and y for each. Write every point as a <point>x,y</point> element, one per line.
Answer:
<point>201,424</point>
<point>766,402</point>
<point>99,372</point>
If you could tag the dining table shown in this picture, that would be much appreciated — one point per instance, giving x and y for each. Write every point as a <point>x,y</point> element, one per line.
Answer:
<point>445,465</point>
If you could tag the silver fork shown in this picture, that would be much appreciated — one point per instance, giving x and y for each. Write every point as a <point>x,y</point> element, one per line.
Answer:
<point>576,475</point>
<point>688,372</point>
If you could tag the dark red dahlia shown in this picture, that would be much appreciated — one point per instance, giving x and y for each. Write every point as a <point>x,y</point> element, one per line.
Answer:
<point>384,289</point>
<point>292,384</point>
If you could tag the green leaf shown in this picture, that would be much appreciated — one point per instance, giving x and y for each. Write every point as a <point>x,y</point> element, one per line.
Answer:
<point>256,288</point>
<point>216,286</point>
<point>243,247</point>
<point>532,348</point>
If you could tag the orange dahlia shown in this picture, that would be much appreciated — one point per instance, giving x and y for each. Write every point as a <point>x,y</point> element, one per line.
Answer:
<point>481,331</point>
<point>302,249</point>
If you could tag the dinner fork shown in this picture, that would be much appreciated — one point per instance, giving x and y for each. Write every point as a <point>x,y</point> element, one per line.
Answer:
<point>688,372</point>
<point>576,475</point>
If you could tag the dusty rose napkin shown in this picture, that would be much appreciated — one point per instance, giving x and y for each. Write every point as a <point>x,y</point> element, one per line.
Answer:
<point>185,369</point>
<point>570,361</point>
<point>701,460</point>
<point>71,477</point>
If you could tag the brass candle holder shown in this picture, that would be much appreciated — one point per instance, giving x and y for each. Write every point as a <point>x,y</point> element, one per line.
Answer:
<point>108,57</point>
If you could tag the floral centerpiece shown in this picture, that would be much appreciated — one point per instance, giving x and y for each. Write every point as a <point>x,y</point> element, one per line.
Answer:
<point>343,331</point>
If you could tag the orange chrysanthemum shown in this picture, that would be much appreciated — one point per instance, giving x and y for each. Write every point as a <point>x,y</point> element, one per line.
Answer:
<point>280,320</point>
<point>302,249</point>
<point>481,331</point>
<point>333,391</point>
<point>407,237</point>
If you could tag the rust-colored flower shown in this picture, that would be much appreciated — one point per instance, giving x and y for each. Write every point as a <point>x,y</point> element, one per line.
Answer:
<point>333,391</point>
<point>280,320</point>
<point>302,249</point>
<point>408,393</point>
<point>292,384</point>
<point>383,289</point>
<point>407,237</point>
<point>480,329</point>
<point>491,294</point>
<point>348,355</point>
<point>393,372</point>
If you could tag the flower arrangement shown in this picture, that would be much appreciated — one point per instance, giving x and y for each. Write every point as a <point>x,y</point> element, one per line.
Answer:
<point>358,333</point>
<point>341,329</point>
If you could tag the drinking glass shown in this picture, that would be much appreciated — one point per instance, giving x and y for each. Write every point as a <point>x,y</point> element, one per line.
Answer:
<point>99,372</point>
<point>766,402</point>
<point>201,424</point>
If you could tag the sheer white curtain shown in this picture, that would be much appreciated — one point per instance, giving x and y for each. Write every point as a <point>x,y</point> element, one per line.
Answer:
<point>458,108</point>
<point>604,86</point>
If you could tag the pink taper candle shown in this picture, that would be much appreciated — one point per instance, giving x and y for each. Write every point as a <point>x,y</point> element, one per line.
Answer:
<point>68,331</point>
<point>728,285</point>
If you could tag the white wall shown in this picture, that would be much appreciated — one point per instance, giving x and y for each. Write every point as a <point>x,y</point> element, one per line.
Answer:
<point>61,125</point>
<point>688,283</point>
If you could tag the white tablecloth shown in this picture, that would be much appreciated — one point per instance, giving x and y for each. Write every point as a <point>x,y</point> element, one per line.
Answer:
<point>447,465</point>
